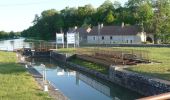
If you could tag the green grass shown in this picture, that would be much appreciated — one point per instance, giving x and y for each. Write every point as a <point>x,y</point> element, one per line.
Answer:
<point>159,70</point>
<point>90,65</point>
<point>67,50</point>
<point>15,82</point>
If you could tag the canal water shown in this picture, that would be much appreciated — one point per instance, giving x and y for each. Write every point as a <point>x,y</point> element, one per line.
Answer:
<point>78,85</point>
<point>74,84</point>
<point>12,44</point>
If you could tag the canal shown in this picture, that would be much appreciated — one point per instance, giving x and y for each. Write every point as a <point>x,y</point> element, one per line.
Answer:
<point>78,85</point>
<point>12,44</point>
<point>74,84</point>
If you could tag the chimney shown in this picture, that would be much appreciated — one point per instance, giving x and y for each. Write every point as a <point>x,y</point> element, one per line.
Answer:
<point>75,27</point>
<point>98,26</point>
<point>61,30</point>
<point>101,25</point>
<point>123,24</point>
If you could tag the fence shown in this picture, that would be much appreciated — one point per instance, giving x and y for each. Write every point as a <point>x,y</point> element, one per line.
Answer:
<point>108,56</point>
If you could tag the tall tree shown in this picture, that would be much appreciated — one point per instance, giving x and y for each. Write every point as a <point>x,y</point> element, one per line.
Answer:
<point>36,19</point>
<point>116,4</point>
<point>103,10</point>
<point>161,20</point>
<point>145,14</point>
<point>48,13</point>
<point>109,18</point>
<point>69,17</point>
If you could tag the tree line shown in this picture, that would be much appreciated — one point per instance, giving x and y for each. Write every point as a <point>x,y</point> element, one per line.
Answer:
<point>9,35</point>
<point>153,16</point>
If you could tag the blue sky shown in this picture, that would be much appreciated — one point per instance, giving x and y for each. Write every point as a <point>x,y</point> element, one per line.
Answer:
<point>17,15</point>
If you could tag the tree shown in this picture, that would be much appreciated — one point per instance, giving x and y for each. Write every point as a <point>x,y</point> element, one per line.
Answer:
<point>36,19</point>
<point>123,14</point>
<point>103,10</point>
<point>116,4</point>
<point>161,21</point>
<point>11,34</point>
<point>83,13</point>
<point>109,18</point>
<point>48,13</point>
<point>145,14</point>
<point>69,16</point>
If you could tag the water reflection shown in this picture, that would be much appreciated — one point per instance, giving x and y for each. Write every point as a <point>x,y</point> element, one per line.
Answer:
<point>62,72</point>
<point>82,86</point>
<point>93,83</point>
<point>10,45</point>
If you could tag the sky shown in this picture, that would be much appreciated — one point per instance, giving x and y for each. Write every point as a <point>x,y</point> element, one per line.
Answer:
<point>17,15</point>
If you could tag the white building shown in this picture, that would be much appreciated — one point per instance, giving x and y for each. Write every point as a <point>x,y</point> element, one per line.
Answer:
<point>118,35</point>
<point>83,32</point>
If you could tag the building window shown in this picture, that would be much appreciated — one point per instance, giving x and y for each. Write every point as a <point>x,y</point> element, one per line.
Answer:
<point>131,41</point>
<point>102,37</point>
<point>93,38</point>
<point>110,37</point>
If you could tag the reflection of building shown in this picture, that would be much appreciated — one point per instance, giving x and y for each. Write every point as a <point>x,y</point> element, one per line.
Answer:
<point>93,83</point>
<point>62,72</point>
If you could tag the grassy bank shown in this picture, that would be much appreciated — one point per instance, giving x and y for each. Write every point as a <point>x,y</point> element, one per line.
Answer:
<point>15,82</point>
<point>90,65</point>
<point>160,70</point>
<point>67,50</point>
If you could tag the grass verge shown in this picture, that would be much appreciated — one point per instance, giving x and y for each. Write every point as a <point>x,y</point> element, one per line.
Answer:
<point>15,82</point>
<point>159,70</point>
<point>67,50</point>
<point>90,65</point>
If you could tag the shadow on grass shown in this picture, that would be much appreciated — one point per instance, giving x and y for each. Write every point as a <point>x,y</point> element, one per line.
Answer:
<point>11,68</point>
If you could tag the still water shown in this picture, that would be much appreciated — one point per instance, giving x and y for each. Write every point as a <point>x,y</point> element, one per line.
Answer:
<point>12,44</point>
<point>78,85</point>
<point>74,84</point>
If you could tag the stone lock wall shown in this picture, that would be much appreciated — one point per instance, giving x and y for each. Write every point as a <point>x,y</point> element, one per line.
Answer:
<point>58,56</point>
<point>142,84</point>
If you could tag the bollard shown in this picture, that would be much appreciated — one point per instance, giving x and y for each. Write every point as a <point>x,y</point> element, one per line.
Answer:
<point>44,78</point>
<point>45,87</point>
<point>26,66</point>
